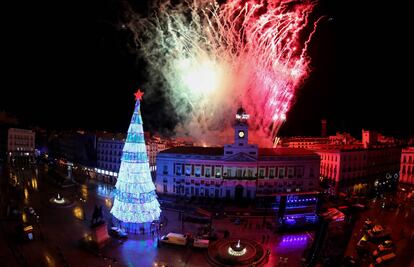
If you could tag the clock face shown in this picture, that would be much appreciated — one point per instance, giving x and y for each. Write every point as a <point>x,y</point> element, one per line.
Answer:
<point>241,134</point>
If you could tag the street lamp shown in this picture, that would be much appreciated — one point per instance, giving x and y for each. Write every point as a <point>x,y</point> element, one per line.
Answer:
<point>38,224</point>
<point>83,201</point>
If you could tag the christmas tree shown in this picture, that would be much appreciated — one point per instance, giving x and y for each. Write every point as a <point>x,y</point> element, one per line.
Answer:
<point>135,203</point>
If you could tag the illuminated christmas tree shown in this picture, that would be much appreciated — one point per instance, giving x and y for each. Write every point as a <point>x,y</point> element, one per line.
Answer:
<point>135,203</point>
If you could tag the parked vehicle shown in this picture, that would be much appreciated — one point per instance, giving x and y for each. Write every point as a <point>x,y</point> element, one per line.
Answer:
<point>118,232</point>
<point>379,252</point>
<point>387,244</point>
<point>368,224</point>
<point>201,243</point>
<point>384,259</point>
<point>174,238</point>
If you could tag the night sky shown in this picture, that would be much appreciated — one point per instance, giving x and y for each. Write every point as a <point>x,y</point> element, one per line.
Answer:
<point>69,65</point>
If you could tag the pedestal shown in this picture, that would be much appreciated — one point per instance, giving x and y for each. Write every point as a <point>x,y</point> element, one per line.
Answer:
<point>100,234</point>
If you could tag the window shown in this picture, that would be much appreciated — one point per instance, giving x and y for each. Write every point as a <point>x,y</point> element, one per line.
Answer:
<point>299,172</point>
<point>249,173</point>
<point>261,172</point>
<point>218,171</point>
<point>165,169</point>
<point>165,189</point>
<point>403,170</point>
<point>311,173</point>
<point>207,172</point>
<point>281,172</point>
<point>239,172</point>
<point>188,170</point>
<point>229,174</point>
<point>271,172</point>
<point>178,169</point>
<point>197,171</point>
<point>291,172</point>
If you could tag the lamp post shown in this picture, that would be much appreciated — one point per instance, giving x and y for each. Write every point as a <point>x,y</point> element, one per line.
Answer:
<point>37,218</point>
<point>83,202</point>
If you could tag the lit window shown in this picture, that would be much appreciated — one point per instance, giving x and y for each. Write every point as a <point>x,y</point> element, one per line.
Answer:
<point>188,170</point>
<point>197,171</point>
<point>218,171</point>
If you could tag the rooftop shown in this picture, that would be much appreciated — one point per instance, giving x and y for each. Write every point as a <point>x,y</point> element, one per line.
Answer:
<point>285,151</point>
<point>219,151</point>
<point>195,150</point>
<point>350,147</point>
<point>408,149</point>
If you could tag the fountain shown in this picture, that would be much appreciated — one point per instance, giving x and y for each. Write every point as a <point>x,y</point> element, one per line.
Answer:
<point>59,201</point>
<point>236,252</point>
<point>237,249</point>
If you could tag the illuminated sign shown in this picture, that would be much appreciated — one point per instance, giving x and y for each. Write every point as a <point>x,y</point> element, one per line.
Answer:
<point>242,116</point>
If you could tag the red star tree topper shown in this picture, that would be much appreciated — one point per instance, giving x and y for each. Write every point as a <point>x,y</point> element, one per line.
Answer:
<point>138,95</point>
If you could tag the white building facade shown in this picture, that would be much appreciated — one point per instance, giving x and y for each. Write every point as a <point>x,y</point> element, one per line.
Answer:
<point>235,171</point>
<point>20,145</point>
<point>108,160</point>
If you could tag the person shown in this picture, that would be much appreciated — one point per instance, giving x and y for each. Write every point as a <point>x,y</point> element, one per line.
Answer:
<point>279,264</point>
<point>100,213</point>
<point>95,214</point>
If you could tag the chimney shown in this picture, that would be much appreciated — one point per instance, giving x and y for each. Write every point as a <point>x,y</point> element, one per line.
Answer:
<point>324,131</point>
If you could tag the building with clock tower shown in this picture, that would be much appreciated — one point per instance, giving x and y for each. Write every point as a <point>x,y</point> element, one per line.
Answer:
<point>241,137</point>
<point>237,171</point>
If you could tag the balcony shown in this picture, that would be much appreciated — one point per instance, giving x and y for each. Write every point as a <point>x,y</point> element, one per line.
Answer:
<point>239,177</point>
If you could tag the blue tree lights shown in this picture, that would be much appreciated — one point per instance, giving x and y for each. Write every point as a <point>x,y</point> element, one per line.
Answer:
<point>135,200</point>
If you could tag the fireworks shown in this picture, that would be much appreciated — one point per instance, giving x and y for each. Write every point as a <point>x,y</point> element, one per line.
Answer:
<point>215,57</point>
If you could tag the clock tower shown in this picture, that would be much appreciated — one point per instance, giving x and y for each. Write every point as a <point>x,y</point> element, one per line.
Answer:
<point>241,128</point>
<point>241,137</point>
